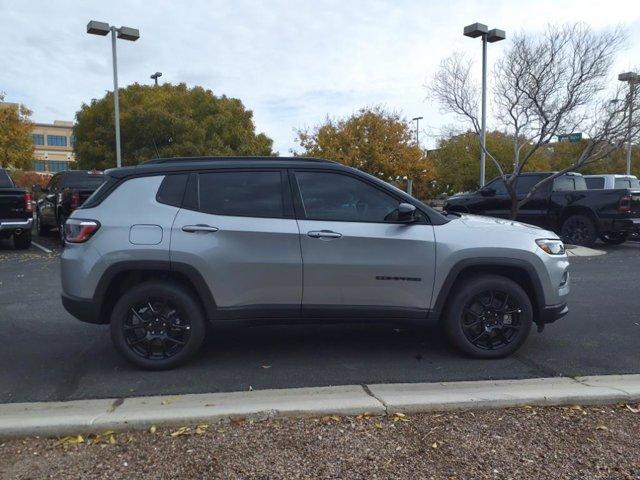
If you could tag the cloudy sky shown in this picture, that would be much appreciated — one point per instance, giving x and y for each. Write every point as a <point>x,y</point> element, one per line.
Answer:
<point>291,62</point>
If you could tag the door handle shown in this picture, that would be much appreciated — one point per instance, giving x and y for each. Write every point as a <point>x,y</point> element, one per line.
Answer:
<point>324,234</point>
<point>199,228</point>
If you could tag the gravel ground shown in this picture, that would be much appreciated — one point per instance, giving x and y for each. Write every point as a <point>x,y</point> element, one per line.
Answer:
<point>520,443</point>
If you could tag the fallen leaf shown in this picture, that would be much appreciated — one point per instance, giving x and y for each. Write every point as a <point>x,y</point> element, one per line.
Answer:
<point>152,429</point>
<point>378,425</point>
<point>434,445</point>
<point>266,366</point>
<point>631,409</point>
<point>180,431</point>
<point>601,427</point>
<point>112,439</point>
<point>70,440</point>
<point>165,402</point>
<point>575,407</point>
<point>202,428</point>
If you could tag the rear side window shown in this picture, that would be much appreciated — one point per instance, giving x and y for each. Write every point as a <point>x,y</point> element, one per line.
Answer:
<point>171,189</point>
<point>526,183</point>
<point>569,183</point>
<point>595,183</point>
<point>242,193</point>
<point>5,181</point>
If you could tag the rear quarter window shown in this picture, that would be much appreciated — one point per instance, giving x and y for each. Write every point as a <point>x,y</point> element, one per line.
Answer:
<point>171,191</point>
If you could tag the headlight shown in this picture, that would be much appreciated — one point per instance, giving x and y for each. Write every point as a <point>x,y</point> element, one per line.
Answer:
<point>552,247</point>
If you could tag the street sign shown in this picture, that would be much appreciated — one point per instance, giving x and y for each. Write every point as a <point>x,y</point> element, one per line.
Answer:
<point>570,137</point>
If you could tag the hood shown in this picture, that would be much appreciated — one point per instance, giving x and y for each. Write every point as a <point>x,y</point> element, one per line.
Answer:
<point>492,224</point>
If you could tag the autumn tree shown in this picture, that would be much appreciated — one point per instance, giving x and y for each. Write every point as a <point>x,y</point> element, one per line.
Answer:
<point>545,85</point>
<point>165,121</point>
<point>16,143</point>
<point>374,140</point>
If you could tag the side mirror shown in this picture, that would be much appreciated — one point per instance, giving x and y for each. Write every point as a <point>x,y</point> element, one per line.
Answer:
<point>487,192</point>
<point>36,189</point>
<point>406,213</point>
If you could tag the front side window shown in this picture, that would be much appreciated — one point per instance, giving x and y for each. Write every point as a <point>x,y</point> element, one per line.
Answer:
<point>333,196</point>
<point>241,193</point>
<point>498,186</point>
<point>56,140</point>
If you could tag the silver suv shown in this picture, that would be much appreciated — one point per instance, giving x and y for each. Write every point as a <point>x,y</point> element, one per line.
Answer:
<point>162,248</point>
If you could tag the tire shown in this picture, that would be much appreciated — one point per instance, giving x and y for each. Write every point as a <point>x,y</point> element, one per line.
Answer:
<point>614,238</point>
<point>41,229</point>
<point>149,338</point>
<point>466,319</point>
<point>61,230</point>
<point>579,230</point>
<point>22,241</point>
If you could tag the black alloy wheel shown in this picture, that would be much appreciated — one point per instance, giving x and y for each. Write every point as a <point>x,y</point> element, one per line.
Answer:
<point>156,329</point>
<point>491,320</point>
<point>614,238</point>
<point>579,230</point>
<point>158,324</point>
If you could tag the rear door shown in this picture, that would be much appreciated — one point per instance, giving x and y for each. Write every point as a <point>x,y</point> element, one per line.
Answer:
<point>535,210</point>
<point>238,229</point>
<point>356,255</point>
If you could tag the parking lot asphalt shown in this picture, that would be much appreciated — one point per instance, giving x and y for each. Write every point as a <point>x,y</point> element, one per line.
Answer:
<point>47,355</point>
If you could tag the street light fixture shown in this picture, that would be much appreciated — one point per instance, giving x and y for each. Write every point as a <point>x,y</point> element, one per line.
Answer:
<point>124,33</point>
<point>476,30</point>
<point>632,78</point>
<point>155,77</point>
<point>417,120</point>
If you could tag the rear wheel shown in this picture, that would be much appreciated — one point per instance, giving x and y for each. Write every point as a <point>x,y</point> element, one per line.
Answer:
<point>489,316</point>
<point>42,229</point>
<point>579,230</point>
<point>158,325</point>
<point>614,238</point>
<point>22,241</point>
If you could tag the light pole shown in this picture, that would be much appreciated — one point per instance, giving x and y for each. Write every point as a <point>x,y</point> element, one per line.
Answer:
<point>125,33</point>
<point>632,78</point>
<point>155,77</point>
<point>417,120</point>
<point>495,35</point>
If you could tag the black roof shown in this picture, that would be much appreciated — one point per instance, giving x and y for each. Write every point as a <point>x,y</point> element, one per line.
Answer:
<point>177,164</point>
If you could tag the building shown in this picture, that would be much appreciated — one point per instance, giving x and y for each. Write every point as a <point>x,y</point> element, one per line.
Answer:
<point>53,144</point>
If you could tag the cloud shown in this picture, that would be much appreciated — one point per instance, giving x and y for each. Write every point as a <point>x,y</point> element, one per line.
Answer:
<point>292,63</point>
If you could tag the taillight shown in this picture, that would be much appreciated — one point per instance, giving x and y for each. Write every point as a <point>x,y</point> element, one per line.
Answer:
<point>28,206</point>
<point>624,206</point>
<point>79,231</point>
<point>75,200</point>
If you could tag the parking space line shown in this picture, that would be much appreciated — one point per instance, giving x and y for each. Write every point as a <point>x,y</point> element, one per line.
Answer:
<point>44,249</point>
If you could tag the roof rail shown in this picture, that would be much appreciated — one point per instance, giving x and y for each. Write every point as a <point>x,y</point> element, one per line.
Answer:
<point>156,161</point>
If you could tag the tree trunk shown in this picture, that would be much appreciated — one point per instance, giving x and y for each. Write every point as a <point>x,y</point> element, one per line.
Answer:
<point>514,204</point>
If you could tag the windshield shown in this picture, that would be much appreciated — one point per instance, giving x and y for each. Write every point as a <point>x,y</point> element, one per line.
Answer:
<point>5,180</point>
<point>84,180</point>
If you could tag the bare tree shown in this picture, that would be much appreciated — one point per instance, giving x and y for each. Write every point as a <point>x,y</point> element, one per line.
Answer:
<point>546,85</point>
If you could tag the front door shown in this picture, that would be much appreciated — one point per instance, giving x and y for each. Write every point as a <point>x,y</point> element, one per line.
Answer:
<point>238,228</point>
<point>356,255</point>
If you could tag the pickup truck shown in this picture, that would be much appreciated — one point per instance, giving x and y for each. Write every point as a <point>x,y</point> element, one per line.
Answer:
<point>566,206</point>
<point>611,182</point>
<point>65,192</point>
<point>16,212</point>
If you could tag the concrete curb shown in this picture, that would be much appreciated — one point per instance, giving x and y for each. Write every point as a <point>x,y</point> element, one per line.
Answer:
<point>94,416</point>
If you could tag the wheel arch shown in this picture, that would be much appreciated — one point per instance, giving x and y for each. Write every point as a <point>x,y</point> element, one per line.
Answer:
<point>521,272</point>
<point>578,210</point>
<point>120,276</point>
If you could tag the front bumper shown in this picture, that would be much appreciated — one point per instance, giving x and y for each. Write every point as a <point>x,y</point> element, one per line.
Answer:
<point>83,309</point>
<point>620,225</point>
<point>551,313</point>
<point>13,225</point>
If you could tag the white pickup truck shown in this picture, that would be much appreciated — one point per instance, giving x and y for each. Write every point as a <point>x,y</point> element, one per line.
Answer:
<point>612,182</point>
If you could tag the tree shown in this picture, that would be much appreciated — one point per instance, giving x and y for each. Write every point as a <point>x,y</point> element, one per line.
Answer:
<point>546,85</point>
<point>165,121</point>
<point>378,142</point>
<point>16,143</point>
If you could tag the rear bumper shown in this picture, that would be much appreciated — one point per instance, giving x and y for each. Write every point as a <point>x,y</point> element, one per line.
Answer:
<point>620,225</point>
<point>83,309</point>
<point>16,224</point>
<point>551,313</point>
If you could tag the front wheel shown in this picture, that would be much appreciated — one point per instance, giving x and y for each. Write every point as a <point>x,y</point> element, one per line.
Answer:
<point>489,316</point>
<point>614,238</point>
<point>579,230</point>
<point>158,325</point>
